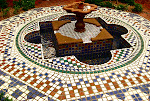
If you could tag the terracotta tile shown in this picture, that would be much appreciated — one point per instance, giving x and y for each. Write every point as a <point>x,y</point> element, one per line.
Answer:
<point>140,81</point>
<point>23,70</point>
<point>38,86</point>
<point>130,79</point>
<point>17,71</point>
<point>132,83</point>
<point>13,65</point>
<point>14,73</point>
<point>106,85</point>
<point>63,93</point>
<point>71,91</point>
<point>47,82</point>
<point>116,84</point>
<point>98,86</point>
<point>74,87</point>
<point>91,92</point>
<point>125,84</point>
<point>3,63</point>
<point>147,79</point>
<point>52,93</point>
<point>55,90</point>
<point>32,82</point>
<point>89,88</point>
<point>45,89</point>
<point>108,81</point>
<point>81,93</point>
<point>41,83</point>
<point>28,77</point>
<point>99,89</point>
<point>124,77</point>
<point>20,76</point>
<point>122,81</point>
<point>80,90</point>
<point>92,84</point>
<point>62,89</point>
<point>60,97</point>
<point>25,79</point>
<point>9,70</point>
<point>48,86</point>
<point>63,96</point>
<point>34,76</point>
<point>145,76</point>
<point>72,95</point>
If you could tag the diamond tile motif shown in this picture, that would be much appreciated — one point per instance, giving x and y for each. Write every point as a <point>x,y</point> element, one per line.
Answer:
<point>25,73</point>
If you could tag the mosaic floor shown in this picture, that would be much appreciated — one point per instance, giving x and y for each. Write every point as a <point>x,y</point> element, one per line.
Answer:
<point>26,76</point>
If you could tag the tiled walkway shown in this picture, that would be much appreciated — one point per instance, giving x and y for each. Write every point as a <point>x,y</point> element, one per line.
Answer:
<point>26,75</point>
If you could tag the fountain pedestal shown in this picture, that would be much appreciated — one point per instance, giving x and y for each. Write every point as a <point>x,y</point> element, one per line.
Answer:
<point>80,25</point>
<point>80,9</point>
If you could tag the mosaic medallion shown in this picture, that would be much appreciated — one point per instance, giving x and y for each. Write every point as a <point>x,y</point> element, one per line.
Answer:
<point>30,70</point>
<point>70,64</point>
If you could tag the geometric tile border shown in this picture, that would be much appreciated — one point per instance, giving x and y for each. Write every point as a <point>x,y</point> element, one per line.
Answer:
<point>22,79</point>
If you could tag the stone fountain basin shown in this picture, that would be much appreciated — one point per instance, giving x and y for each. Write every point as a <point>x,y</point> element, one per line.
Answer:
<point>75,8</point>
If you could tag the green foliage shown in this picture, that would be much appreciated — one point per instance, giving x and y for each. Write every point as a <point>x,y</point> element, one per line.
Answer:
<point>17,4</point>
<point>129,2</point>
<point>16,9</point>
<point>138,8</point>
<point>108,4</point>
<point>5,12</point>
<point>28,4</point>
<point>122,7</point>
<point>93,1</point>
<point>25,4</point>
<point>102,4</point>
<point>3,4</point>
<point>2,98</point>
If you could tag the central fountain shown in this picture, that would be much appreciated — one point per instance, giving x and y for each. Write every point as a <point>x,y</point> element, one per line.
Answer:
<point>89,39</point>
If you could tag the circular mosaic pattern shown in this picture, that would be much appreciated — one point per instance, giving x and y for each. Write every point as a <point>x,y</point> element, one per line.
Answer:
<point>27,75</point>
<point>70,64</point>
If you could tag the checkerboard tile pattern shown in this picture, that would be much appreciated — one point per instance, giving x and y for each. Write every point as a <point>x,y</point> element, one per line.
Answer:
<point>34,50</point>
<point>25,75</point>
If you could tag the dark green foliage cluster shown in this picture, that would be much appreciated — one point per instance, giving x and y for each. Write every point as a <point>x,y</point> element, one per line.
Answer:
<point>28,4</point>
<point>16,10</point>
<point>106,4</point>
<point>3,4</point>
<point>129,2</point>
<point>2,98</point>
<point>122,7</point>
<point>5,12</point>
<point>102,3</point>
<point>138,8</point>
<point>17,4</point>
<point>93,1</point>
<point>25,4</point>
<point>3,7</point>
